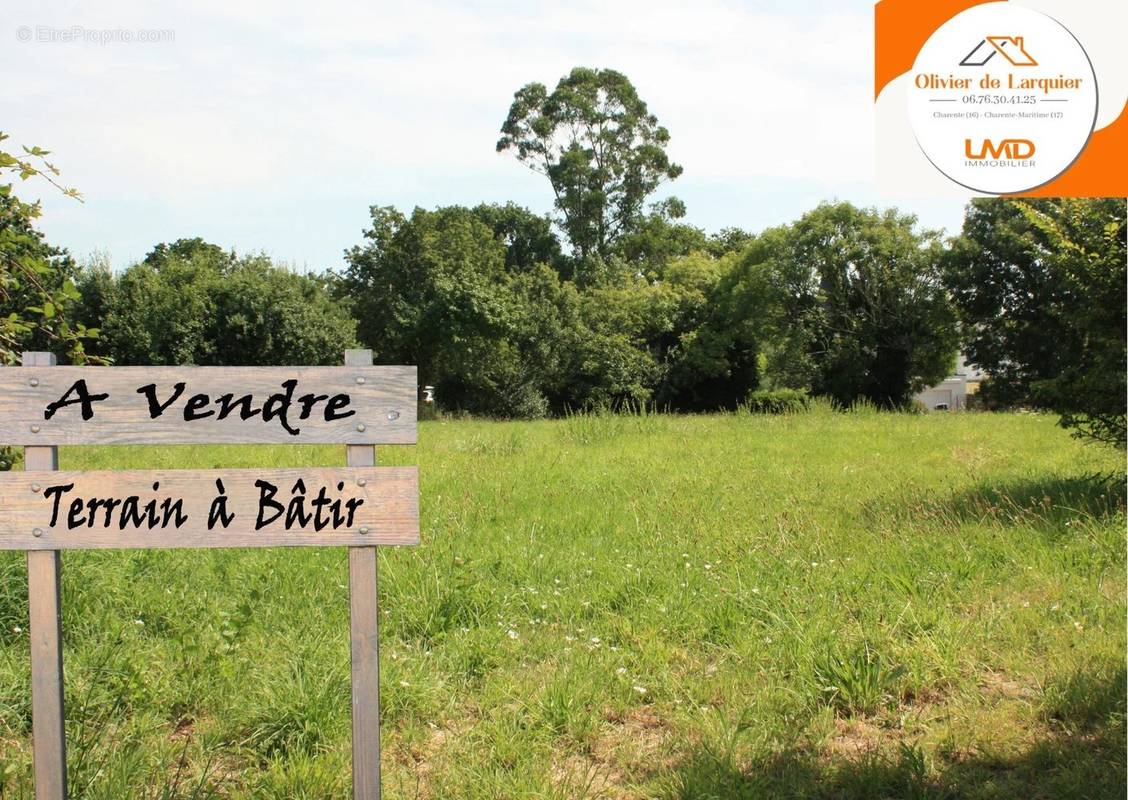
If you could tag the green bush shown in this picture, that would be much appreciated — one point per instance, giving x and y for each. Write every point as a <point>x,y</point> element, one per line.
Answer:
<point>191,303</point>
<point>778,401</point>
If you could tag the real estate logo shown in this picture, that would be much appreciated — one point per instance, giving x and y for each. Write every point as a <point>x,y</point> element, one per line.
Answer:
<point>1009,47</point>
<point>1011,113</point>
<point>1012,149</point>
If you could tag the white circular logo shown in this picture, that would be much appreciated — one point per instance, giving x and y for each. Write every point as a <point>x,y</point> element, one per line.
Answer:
<point>1002,98</point>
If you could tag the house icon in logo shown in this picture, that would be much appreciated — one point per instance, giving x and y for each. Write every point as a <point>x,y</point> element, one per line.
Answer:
<point>1009,47</point>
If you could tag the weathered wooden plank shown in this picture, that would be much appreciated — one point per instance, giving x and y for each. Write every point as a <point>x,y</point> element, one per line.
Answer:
<point>270,508</point>
<point>45,629</point>
<point>46,635</point>
<point>364,640</point>
<point>365,665</point>
<point>333,405</point>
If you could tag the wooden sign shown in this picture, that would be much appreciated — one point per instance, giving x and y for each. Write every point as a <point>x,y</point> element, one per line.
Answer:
<point>186,405</point>
<point>209,508</point>
<point>45,511</point>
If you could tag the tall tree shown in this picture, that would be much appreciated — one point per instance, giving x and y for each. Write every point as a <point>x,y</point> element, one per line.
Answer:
<point>601,149</point>
<point>1040,290</point>
<point>860,297</point>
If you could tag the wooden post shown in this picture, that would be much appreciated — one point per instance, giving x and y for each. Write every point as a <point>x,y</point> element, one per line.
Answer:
<point>46,633</point>
<point>364,639</point>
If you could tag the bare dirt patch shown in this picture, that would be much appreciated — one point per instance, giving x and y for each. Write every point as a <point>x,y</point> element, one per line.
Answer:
<point>634,742</point>
<point>1007,687</point>
<point>853,739</point>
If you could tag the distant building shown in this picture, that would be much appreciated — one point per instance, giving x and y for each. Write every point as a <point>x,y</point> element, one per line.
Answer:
<point>951,394</point>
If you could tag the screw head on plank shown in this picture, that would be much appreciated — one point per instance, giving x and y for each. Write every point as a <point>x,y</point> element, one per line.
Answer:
<point>36,532</point>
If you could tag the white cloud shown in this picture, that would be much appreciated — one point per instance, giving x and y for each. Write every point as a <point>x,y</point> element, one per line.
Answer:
<point>270,101</point>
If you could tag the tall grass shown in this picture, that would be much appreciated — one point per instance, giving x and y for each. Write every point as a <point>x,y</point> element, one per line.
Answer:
<point>627,605</point>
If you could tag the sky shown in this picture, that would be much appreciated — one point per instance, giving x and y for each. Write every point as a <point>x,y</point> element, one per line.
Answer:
<point>272,127</point>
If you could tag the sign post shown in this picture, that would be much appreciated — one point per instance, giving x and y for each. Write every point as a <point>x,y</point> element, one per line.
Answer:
<point>45,629</point>
<point>358,506</point>
<point>364,648</point>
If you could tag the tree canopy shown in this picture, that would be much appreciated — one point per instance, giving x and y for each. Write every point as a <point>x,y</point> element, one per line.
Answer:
<point>190,302</point>
<point>1040,289</point>
<point>853,304</point>
<point>601,149</point>
<point>861,299</point>
<point>845,302</point>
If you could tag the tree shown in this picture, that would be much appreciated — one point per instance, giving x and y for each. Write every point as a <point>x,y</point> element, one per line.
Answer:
<point>193,303</point>
<point>36,283</point>
<point>151,316</point>
<point>603,152</point>
<point>660,237</point>
<point>729,240</point>
<point>266,314</point>
<point>724,331</point>
<point>189,250</point>
<point>528,238</point>
<point>861,308</point>
<point>36,286</point>
<point>548,337</point>
<point>1040,289</point>
<point>432,290</point>
<point>627,326</point>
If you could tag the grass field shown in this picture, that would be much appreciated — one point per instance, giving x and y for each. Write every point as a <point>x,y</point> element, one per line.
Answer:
<point>823,605</point>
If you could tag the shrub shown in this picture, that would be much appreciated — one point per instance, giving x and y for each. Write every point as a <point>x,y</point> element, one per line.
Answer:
<point>778,401</point>
<point>187,305</point>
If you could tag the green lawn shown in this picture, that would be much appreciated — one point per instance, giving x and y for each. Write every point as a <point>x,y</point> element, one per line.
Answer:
<point>825,605</point>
